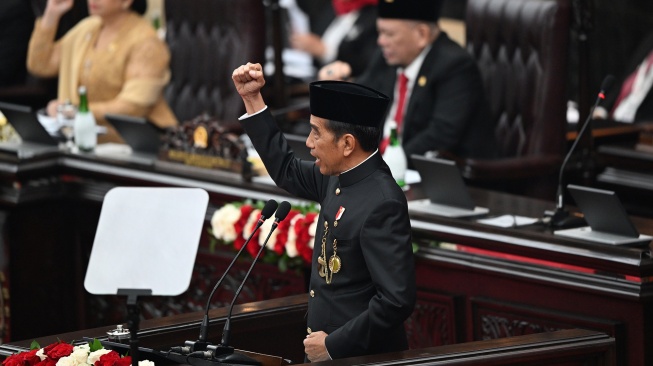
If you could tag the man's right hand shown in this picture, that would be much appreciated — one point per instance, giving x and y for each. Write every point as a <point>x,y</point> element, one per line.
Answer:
<point>248,80</point>
<point>337,70</point>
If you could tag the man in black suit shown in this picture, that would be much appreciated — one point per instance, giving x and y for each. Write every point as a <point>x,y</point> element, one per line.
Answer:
<point>445,108</point>
<point>362,285</point>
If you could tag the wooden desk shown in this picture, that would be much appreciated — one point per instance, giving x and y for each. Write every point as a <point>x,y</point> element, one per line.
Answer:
<point>628,172</point>
<point>276,327</point>
<point>608,130</point>
<point>475,281</point>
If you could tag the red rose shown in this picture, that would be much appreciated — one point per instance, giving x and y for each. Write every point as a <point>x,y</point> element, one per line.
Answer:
<point>245,211</point>
<point>22,359</point>
<point>252,247</point>
<point>47,362</point>
<point>125,361</point>
<point>109,359</point>
<point>282,232</point>
<point>57,350</point>
<point>303,236</point>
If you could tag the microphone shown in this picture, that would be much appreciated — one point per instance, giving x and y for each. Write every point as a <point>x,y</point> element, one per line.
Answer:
<point>224,350</point>
<point>201,344</point>
<point>560,217</point>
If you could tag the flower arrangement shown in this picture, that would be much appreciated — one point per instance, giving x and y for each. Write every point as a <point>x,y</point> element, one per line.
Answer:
<point>65,354</point>
<point>289,246</point>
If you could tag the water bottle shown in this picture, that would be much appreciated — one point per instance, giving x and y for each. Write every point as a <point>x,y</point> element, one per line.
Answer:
<point>84,127</point>
<point>395,157</point>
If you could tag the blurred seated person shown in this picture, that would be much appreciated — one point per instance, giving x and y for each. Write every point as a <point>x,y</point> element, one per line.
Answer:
<point>320,13</point>
<point>114,52</point>
<point>438,99</point>
<point>349,37</point>
<point>632,101</point>
<point>16,22</point>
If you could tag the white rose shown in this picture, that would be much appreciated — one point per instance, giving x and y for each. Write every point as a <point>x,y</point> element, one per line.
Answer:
<point>222,222</point>
<point>311,232</point>
<point>291,243</point>
<point>251,223</point>
<point>68,361</point>
<point>80,354</point>
<point>265,229</point>
<point>84,347</point>
<point>145,363</point>
<point>95,356</point>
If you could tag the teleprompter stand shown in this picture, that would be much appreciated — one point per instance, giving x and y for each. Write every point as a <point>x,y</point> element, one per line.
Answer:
<point>134,318</point>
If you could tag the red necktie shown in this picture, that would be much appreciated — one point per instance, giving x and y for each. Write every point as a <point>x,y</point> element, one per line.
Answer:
<point>402,81</point>
<point>627,86</point>
<point>403,88</point>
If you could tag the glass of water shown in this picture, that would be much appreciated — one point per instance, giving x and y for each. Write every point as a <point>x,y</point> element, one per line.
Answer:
<point>66,117</point>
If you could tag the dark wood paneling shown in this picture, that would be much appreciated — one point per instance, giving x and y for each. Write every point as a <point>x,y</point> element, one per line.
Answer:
<point>434,321</point>
<point>499,319</point>
<point>504,299</point>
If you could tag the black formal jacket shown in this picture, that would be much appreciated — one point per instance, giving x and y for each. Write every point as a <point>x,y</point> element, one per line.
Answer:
<point>359,45</point>
<point>364,307</point>
<point>447,110</point>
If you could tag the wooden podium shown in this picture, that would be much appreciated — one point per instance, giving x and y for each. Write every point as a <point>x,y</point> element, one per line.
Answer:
<point>277,327</point>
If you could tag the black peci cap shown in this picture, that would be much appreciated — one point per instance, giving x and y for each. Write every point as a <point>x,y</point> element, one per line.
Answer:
<point>423,10</point>
<point>348,103</point>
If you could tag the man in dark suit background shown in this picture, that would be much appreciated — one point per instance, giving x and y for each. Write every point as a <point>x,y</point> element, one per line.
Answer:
<point>445,108</point>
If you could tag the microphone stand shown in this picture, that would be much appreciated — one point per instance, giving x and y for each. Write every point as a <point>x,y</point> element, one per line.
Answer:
<point>199,347</point>
<point>224,352</point>
<point>560,218</point>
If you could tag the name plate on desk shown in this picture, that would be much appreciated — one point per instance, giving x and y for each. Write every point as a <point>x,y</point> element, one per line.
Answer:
<point>586,233</point>
<point>204,142</point>
<point>425,206</point>
<point>201,160</point>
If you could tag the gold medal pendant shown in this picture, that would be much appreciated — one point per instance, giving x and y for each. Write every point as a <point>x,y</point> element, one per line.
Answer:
<point>334,263</point>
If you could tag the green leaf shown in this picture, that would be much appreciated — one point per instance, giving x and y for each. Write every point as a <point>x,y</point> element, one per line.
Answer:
<point>95,345</point>
<point>34,345</point>
<point>283,264</point>
<point>212,243</point>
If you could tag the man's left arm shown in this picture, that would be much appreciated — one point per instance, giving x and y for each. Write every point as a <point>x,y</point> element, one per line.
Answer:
<point>386,245</point>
